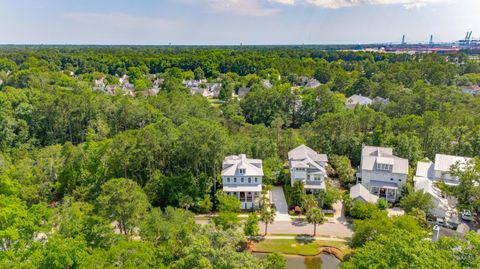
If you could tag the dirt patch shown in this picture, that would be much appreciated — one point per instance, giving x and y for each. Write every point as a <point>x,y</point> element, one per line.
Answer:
<point>250,245</point>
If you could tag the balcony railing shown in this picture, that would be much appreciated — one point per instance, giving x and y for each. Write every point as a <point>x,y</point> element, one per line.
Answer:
<point>313,182</point>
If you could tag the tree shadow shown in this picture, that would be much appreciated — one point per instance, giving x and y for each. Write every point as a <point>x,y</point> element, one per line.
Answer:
<point>299,223</point>
<point>304,238</point>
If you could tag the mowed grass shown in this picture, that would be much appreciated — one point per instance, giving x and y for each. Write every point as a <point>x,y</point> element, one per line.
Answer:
<point>297,247</point>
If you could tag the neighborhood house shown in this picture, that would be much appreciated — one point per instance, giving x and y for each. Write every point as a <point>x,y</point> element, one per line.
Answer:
<point>382,173</point>
<point>355,100</point>
<point>428,173</point>
<point>242,177</point>
<point>308,166</point>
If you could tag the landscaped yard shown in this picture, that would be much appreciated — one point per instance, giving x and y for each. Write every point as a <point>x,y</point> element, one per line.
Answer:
<point>298,247</point>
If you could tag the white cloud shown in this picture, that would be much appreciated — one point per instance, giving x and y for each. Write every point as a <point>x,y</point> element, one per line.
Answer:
<point>243,7</point>
<point>261,8</point>
<point>352,3</point>
<point>285,2</point>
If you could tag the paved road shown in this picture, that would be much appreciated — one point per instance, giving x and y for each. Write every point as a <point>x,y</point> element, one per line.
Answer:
<point>305,237</point>
<point>278,198</point>
<point>335,229</point>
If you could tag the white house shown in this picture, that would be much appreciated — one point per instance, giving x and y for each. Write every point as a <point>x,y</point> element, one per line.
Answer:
<point>428,173</point>
<point>242,177</point>
<point>382,173</point>
<point>355,100</point>
<point>308,166</point>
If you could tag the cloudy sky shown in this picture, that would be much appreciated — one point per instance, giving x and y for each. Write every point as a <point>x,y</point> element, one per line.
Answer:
<point>219,22</point>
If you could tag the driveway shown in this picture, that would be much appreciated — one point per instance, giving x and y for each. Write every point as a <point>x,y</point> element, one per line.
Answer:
<point>278,198</point>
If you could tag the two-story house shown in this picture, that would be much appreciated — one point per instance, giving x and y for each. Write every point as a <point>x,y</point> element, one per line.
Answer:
<point>428,173</point>
<point>242,177</point>
<point>308,166</point>
<point>382,173</point>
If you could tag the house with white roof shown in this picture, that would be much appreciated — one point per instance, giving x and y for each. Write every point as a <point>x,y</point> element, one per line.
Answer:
<point>308,166</point>
<point>242,178</point>
<point>267,84</point>
<point>428,173</point>
<point>312,83</point>
<point>474,89</point>
<point>361,194</point>
<point>382,173</point>
<point>99,84</point>
<point>355,100</point>
<point>214,89</point>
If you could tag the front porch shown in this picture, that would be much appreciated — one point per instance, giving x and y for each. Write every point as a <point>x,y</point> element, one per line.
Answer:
<point>247,196</point>
<point>386,190</point>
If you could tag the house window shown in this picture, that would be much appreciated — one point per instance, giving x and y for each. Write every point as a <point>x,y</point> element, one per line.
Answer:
<point>249,180</point>
<point>228,180</point>
<point>385,167</point>
<point>399,180</point>
<point>242,179</point>
<point>255,180</point>
<point>235,180</point>
<point>241,171</point>
<point>391,179</point>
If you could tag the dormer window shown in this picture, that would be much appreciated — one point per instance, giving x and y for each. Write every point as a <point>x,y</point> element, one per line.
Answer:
<point>241,171</point>
<point>384,167</point>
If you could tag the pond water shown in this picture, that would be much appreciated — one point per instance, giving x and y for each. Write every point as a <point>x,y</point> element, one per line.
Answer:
<point>323,261</point>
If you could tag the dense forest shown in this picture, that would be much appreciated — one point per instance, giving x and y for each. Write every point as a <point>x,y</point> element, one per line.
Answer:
<point>73,160</point>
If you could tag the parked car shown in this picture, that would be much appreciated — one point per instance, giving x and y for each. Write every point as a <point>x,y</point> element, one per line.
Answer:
<point>441,222</point>
<point>467,215</point>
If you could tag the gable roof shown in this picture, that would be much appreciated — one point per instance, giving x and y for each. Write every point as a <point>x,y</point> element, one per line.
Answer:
<point>302,152</point>
<point>312,83</point>
<point>425,169</point>
<point>232,164</point>
<point>444,162</point>
<point>355,99</point>
<point>359,191</point>
<point>305,157</point>
<point>373,155</point>
<point>243,91</point>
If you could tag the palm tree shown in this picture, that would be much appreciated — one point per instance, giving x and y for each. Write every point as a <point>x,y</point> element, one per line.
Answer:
<point>267,217</point>
<point>315,216</point>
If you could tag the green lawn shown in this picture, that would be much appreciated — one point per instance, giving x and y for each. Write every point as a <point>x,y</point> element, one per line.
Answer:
<point>296,247</point>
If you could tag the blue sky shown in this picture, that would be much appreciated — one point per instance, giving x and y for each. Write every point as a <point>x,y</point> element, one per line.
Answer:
<point>219,22</point>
